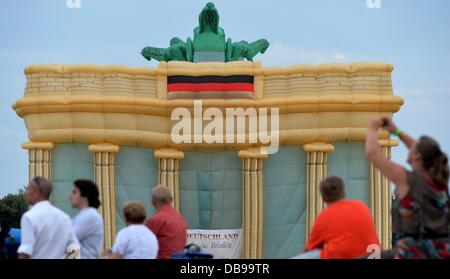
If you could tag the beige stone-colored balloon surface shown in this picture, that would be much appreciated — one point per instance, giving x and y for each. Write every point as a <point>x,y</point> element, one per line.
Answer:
<point>128,106</point>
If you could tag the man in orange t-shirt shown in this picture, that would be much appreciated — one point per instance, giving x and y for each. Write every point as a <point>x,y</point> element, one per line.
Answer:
<point>345,229</point>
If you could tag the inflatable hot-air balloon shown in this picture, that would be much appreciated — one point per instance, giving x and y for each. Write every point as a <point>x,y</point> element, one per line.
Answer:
<point>241,146</point>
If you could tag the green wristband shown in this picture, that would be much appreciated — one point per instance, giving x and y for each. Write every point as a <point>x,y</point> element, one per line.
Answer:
<point>397,132</point>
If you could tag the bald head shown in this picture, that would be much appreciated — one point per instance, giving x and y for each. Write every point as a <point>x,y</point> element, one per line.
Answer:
<point>161,195</point>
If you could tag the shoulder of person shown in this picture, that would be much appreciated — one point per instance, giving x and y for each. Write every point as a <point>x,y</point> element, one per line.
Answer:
<point>412,175</point>
<point>61,213</point>
<point>358,203</point>
<point>156,218</point>
<point>364,206</point>
<point>89,218</point>
<point>414,180</point>
<point>93,215</point>
<point>123,233</point>
<point>322,214</point>
<point>33,212</point>
<point>150,233</point>
<point>179,215</point>
<point>27,215</point>
<point>140,230</point>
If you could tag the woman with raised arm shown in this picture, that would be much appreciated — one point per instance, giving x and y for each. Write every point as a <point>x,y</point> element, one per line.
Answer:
<point>420,212</point>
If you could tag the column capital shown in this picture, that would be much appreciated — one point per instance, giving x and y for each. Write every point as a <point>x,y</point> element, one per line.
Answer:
<point>39,158</point>
<point>252,153</point>
<point>169,153</point>
<point>38,145</point>
<point>318,147</point>
<point>104,147</point>
<point>388,142</point>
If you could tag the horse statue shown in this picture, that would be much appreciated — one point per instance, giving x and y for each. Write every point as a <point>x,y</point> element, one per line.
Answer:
<point>208,44</point>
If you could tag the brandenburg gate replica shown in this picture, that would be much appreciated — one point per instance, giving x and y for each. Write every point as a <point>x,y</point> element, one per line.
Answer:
<point>114,124</point>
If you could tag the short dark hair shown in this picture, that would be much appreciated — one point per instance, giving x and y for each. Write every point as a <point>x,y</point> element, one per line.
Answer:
<point>332,189</point>
<point>134,212</point>
<point>89,190</point>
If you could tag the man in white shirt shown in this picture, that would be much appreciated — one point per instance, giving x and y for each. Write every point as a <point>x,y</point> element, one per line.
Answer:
<point>88,223</point>
<point>46,230</point>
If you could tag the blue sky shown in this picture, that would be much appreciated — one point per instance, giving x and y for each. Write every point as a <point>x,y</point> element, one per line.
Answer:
<point>412,35</point>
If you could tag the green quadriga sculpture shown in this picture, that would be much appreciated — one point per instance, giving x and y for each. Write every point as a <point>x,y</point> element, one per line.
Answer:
<point>208,45</point>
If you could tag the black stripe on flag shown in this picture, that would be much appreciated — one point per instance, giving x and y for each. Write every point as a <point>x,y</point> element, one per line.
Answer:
<point>210,79</point>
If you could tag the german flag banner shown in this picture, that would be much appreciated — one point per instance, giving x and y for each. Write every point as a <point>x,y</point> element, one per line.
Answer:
<point>210,87</point>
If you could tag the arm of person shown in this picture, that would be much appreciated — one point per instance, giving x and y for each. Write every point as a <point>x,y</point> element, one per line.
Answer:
<point>72,237</point>
<point>119,248</point>
<point>315,240</point>
<point>407,140</point>
<point>23,256</point>
<point>154,225</point>
<point>115,256</point>
<point>391,170</point>
<point>404,137</point>
<point>73,246</point>
<point>80,229</point>
<point>26,247</point>
<point>108,254</point>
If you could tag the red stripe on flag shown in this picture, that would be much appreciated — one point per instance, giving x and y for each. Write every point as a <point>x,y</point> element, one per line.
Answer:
<point>199,87</point>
